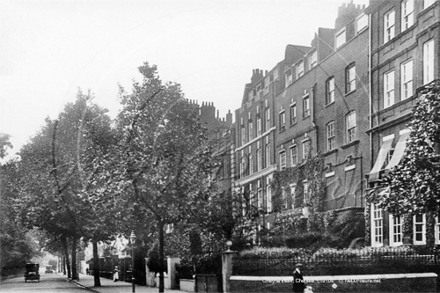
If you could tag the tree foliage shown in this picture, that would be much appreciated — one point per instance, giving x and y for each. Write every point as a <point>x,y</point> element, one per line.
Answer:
<point>164,160</point>
<point>5,144</point>
<point>59,176</point>
<point>17,245</point>
<point>414,184</point>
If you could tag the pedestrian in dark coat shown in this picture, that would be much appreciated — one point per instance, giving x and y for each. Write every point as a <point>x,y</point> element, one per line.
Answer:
<point>298,279</point>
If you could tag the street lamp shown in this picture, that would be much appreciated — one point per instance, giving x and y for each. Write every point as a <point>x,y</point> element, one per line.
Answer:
<point>132,239</point>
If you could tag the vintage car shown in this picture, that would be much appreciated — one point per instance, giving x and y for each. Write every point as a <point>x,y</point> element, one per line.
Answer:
<point>49,270</point>
<point>32,272</point>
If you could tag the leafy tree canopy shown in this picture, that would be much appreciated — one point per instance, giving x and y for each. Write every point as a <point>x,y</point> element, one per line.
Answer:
<point>414,185</point>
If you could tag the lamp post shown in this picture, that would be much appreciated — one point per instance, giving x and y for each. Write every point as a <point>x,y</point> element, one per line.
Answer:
<point>132,239</point>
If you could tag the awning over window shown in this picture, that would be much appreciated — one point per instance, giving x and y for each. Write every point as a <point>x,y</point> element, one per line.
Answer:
<point>381,157</point>
<point>398,150</point>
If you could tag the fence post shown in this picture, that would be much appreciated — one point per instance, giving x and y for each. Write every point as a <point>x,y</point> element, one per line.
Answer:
<point>227,269</point>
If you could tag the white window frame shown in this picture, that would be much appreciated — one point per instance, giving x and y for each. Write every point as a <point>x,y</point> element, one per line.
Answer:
<point>288,76</point>
<point>306,106</point>
<point>376,226</point>
<point>251,164</point>
<point>388,89</point>
<point>267,118</point>
<point>389,23</point>
<point>259,159</point>
<point>350,78</point>
<point>396,230</point>
<point>351,125</point>
<point>331,135</point>
<point>313,59</point>
<point>407,14</point>
<point>330,90</point>
<point>299,69</point>
<point>361,22</point>
<point>293,150</point>
<point>428,3</point>
<point>340,38</point>
<point>267,157</point>
<point>282,120</point>
<point>406,76</point>
<point>282,157</point>
<point>423,230</point>
<point>428,61</point>
<point>243,134</point>
<point>293,114</point>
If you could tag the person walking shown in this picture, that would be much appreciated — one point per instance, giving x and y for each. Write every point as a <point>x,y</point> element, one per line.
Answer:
<point>116,274</point>
<point>298,279</point>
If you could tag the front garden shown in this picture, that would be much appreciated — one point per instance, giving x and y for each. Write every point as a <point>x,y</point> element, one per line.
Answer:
<point>329,261</point>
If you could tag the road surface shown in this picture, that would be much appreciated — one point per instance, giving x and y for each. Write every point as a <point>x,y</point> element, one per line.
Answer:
<point>49,283</point>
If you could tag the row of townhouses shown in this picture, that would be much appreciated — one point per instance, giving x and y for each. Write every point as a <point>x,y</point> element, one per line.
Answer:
<point>347,98</point>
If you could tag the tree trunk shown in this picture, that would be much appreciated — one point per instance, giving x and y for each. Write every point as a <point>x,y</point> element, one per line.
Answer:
<point>74,268</point>
<point>96,264</point>
<point>161,256</point>
<point>66,256</point>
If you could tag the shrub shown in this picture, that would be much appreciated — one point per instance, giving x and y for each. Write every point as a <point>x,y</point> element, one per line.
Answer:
<point>273,252</point>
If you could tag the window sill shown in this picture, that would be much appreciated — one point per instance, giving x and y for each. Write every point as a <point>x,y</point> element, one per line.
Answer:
<point>349,93</point>
<point>330,152</point>
<point>329,104</point>
<point>352,143</point>
<point>305,117</point>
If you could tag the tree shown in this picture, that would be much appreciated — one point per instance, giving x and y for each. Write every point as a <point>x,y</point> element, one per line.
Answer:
<point>62,191</point>
<point>17,244</point>
<point>414,184</point>
<point>4,144</point>
<point>164,155</point>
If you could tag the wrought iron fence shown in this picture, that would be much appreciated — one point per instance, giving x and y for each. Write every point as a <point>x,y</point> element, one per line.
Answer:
<point>341,262</point>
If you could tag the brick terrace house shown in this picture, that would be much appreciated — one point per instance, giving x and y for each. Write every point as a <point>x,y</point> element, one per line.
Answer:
<point>255,138</point>
<point>404,48</point>
<point>314,101</point>
<point>326,106</point>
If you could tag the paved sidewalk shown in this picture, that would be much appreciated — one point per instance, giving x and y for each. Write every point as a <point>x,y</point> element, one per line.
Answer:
<point>108,286</point>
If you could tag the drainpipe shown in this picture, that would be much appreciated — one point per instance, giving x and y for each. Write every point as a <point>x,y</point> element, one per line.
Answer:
<point>312,109</point>
<point>370,94</point>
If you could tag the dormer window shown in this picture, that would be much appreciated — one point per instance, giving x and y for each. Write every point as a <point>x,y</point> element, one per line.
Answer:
<point>299,69</point>
<point>266,85</point>
<point>313,59</point>
<point>340,38</point>
<point>361,22</point>
<point>288,76</point>
<point>275,74</point>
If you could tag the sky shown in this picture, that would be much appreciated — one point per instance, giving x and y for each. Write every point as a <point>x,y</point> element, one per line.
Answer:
<point>51,48</point>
